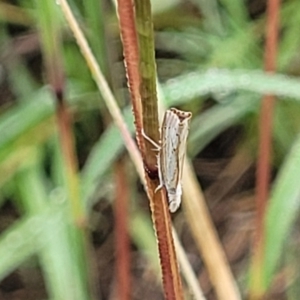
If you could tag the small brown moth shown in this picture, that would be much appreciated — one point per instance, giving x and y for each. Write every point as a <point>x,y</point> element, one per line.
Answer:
<point>171,156</point>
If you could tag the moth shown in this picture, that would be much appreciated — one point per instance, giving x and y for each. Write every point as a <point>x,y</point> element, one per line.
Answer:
<point>171,156</point>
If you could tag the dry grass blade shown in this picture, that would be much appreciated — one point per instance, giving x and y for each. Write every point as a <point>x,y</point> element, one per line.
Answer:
<point>187,270</point>
<point>206,238</point>
<point>239,165</point>
<point>108,97</point>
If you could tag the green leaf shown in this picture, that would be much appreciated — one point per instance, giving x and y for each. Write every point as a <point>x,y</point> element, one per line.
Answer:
<point>25,237</point>
<point>60,264</point>
<point>214,81</point>
<point>102,156</point>
<point>282,210</point>
<point>215,120</point>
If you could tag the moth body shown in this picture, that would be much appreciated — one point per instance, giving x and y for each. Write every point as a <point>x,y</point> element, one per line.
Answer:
<point>172,149</point>
<point>174,132</point>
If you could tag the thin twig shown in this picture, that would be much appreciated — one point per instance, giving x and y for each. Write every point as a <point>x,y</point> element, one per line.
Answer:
<point>265,149</point>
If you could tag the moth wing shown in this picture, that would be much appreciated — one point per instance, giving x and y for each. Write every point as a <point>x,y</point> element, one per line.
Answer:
<point>169,152</point>
<point>175,199</point>
<point>183,134</point>
<point>183,130</point>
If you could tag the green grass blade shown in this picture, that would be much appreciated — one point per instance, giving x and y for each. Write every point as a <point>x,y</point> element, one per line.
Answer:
<point>282,210</point>
<point>25,126</point>
<point>103,154</point>
<point>215,120</point>
<point>63,279</point>
<point>237,11</point>
<point>15,249</point>
<point>186,87</point>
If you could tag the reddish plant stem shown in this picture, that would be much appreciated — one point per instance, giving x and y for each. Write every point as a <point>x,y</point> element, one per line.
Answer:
<point>71,166</point>
<point>265,148</point>
<point>160,214</point>
<point>121,233</point>
<point>131,55</point>
<point>66,139</point>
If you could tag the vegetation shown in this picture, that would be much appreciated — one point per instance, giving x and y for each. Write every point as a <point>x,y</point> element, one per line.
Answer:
<point>68,187</point>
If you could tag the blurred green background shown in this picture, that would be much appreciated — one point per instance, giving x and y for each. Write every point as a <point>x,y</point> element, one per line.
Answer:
<point>209,57</point>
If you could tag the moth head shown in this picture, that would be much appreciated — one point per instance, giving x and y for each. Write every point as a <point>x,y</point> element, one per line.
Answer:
<point>184,116</point>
